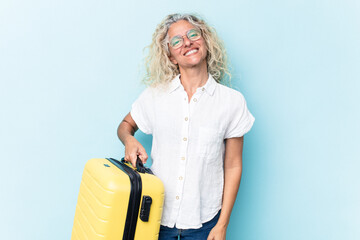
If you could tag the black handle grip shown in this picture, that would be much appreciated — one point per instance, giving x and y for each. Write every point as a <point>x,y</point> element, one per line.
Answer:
<point>139,166</point>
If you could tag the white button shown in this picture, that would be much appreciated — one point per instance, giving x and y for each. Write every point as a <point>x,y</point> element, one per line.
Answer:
<point>185,99</point>
<point>186,118</point>
<point>195,100</point>
<point>185,139</point>
<point>180,178</point>
<point>177,197</point>
<point>182,158</point>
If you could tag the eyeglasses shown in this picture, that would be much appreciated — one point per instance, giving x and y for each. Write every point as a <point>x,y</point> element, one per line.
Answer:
<point>177,41</point>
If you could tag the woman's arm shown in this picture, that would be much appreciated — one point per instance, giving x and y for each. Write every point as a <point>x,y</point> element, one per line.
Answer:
<point>133,148</point>
<point>232,174</point>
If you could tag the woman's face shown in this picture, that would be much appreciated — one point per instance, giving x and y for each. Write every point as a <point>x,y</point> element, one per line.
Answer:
<point>191,53</point>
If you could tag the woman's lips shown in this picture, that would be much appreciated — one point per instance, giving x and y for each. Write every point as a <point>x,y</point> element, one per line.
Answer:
<point>192,51</point>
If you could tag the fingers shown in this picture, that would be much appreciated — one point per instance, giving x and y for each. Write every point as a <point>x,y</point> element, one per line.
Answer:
<point>210,237</point>
<point>132,159</point>
<point>217,234</point>
<point>133,150</point>
<point>142,155</point>
<point>131,156</point>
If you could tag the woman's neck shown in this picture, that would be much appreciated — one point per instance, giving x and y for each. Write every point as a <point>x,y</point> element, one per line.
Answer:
<point>193,78</point>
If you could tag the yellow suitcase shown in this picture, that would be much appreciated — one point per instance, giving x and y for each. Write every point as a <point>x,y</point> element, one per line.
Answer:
<point>117,201</point>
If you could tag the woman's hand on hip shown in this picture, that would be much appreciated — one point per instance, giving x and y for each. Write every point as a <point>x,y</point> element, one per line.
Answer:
<point>217,233</point>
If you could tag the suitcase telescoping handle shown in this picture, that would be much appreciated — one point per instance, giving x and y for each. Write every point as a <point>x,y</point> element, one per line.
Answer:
<point>139,166</point>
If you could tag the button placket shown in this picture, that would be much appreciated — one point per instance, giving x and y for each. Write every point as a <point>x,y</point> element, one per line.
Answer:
<point>196,97</point>
<point>183,151</point>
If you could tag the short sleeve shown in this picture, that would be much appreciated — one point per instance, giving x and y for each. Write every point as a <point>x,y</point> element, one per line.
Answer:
<point>241,120</point>
<point>142,111</point>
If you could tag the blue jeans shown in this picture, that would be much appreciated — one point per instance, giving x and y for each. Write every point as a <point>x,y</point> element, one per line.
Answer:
<point>202,233</point>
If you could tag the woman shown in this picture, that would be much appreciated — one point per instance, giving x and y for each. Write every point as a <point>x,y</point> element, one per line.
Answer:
<point>197,126</point>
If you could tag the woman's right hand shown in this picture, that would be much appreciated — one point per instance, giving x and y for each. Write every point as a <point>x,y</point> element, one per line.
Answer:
<point>133,149</point>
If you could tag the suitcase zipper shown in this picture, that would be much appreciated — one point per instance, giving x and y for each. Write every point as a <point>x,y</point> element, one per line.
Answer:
<point>134,199</point>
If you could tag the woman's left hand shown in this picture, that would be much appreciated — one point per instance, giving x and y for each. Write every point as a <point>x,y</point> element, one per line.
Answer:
<point>217,233</point>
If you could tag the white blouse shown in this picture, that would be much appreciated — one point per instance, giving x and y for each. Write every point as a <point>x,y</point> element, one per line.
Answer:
<point>188,145</point>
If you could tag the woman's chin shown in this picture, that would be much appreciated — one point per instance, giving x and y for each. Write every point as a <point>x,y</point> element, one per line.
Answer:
<point>193,63</point>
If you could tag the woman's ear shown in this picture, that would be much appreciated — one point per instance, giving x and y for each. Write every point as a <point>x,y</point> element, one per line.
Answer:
<point>172,59</point>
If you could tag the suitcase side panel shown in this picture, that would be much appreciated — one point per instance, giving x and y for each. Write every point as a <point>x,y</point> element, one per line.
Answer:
<point>153,187</point>
<point>101,209</point>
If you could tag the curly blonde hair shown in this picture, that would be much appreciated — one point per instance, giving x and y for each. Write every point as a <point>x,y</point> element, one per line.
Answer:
<point>159,68</point>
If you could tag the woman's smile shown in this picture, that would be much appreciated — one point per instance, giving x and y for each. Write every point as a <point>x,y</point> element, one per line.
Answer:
<point>191,52</point>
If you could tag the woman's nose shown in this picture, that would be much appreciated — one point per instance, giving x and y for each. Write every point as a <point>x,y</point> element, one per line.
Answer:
<point>187,42</point>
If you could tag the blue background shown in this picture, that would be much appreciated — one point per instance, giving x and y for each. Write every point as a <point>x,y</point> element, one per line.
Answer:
<point>69,71</point>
